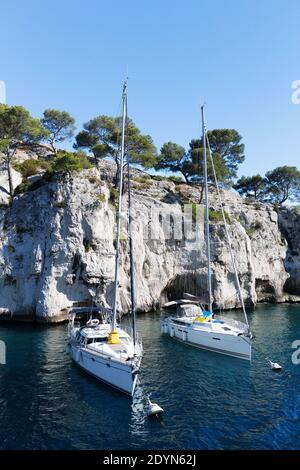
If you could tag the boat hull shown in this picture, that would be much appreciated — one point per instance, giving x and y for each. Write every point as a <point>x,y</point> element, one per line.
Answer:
<point>116,374</point>
<point>238,346</point>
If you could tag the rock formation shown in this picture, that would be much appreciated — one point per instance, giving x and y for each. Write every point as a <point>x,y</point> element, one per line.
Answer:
<point>57,246</point>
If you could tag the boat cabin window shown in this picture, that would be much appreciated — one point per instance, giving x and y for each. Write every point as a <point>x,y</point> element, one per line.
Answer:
<point>96,340</point>
<point>178,322</point>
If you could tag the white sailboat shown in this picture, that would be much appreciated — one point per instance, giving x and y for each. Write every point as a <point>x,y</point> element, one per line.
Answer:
<point>103,348</point>
<point>192,323</point>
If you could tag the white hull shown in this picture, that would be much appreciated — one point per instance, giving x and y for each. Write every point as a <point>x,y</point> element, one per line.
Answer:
<point>116,364</point>
<point>205,337</point>
<point>112,372</point>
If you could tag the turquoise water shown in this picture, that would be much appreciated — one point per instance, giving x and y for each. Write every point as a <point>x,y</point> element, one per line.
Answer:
<point>210,401</point>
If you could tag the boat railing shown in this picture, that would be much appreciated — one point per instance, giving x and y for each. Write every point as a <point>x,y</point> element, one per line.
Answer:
<point>242,327</point>
<point>128,330</point>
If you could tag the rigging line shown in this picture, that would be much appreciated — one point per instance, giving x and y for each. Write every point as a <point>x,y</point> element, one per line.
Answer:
<point>207,237</point>
<point>226,231</point>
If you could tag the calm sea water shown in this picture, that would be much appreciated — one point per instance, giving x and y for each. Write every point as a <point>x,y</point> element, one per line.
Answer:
<point>210,401</point>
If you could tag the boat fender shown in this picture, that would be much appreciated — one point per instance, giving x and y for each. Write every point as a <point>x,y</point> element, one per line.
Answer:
<point>200,319</point>
<point>154,409</point>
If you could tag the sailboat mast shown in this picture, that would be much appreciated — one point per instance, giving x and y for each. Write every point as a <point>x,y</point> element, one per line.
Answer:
<point>119,211</point>
<point>132,283</point>
<point>130,219</point>
<point>209,273</point>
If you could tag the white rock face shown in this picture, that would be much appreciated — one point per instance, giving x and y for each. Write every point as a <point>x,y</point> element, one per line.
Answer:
<point>289,222</point>
<point>57,248</point>
<point>4,186</point>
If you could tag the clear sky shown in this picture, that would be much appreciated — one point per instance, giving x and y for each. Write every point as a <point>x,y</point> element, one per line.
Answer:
<point>240,56</point>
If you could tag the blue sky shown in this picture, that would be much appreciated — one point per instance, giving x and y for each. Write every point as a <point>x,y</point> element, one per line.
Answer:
<point>240,56</point>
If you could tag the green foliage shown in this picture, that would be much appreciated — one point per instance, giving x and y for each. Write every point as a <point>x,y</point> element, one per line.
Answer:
<point>279,185</point>
<point>62,163</point>
<point>87,245</point>
<point>144,182</point>
<point>227,152</point>
<point>31,167</point>
<point>196,165</point>
<point>227,144</point>
<point>28,186</point>
<point>113,196</point>
<point>59,125</point>
<point>18,126</point>
<point>101,198</point>
<point>175,179</point>
<point>216,216</point>
<point>283,183</point>
<point>9,280</point>
<point>22,187</point>
<point>60,204</point>
<point>251,186</point>
<point>68,162</point>
<point>21,229</point>
<point>172,158</point>
<point>102,136</point>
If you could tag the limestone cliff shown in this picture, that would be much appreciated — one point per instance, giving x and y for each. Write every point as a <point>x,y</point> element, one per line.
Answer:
<point>57,247</point>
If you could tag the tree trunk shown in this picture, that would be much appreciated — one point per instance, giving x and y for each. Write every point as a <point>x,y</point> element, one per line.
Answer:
<point>10,182</point>
<point>185,177</point>
<point>201,194</point>
<point>53,148</point>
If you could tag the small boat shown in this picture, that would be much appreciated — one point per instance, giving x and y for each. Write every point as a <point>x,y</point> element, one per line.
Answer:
<point>194,322</point>
<point>101,347</point>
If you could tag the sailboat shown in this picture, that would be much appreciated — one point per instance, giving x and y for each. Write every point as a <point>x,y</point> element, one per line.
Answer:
<point>194,322</point>
<point>102,347</point>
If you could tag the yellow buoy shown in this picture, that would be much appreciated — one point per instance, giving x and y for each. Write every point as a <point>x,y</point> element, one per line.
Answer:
<point>114,338</point>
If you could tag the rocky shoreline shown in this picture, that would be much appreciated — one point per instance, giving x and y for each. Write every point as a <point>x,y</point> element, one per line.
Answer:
<point>57,246</point>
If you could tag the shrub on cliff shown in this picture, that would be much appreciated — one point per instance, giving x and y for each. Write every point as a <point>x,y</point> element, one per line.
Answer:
<point>67,162</point>
<point>31,167</point>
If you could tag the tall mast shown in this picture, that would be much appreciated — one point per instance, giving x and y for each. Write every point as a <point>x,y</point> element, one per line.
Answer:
<point>209,285</point>
<point>130,219</point>
<point>114,337</point>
